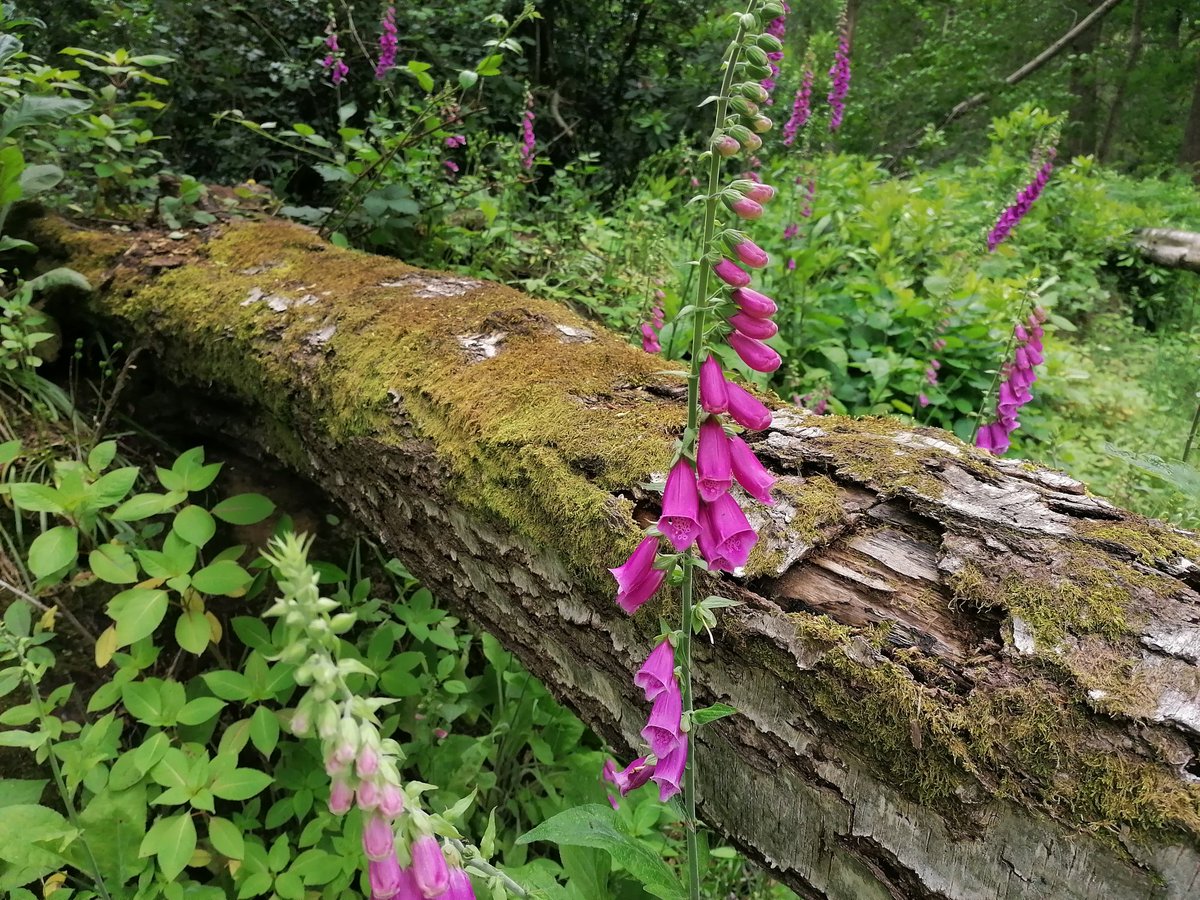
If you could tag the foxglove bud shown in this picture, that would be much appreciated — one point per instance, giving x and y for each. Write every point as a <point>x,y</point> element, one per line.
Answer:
<point>726,145</point>
<point>391,800</point>
<point>429,866</point>
<point>729,273</point>
<point>747,209</point>
<point>760,193</point>
<point>340,796</point>
<point>762,124</point>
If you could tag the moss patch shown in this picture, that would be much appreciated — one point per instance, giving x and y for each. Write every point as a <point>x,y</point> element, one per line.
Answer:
<point>866,450</point>
<point>1149,541</point>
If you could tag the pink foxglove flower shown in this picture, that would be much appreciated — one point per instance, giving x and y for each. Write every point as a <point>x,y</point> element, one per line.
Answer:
<point>839,75</point>
<point>759,329</point>
<point>637,579</point>
<point>751,474</point>
<point>746,208</point>
<point>730,273</point>
<point>662,728</point>
<point>367,795</point>
<point>657,673</point>
<point>391,800</point>
<point>713,468</point>
<point>631,777</point>
<point>757,355</point>
<point>367,762</point>
<point>713,398</point>
<point>668,772</point>
<point>650,338</point>
<point>386,877</point>
<point>681,507</point>
<point>746,409</point>
<point>726,145</point>
<point>732,536</point>
<point>760,193</point>
<point>708,546</point>
<point>388,43</point>
<point>754,304</point>
<point>750,254</point>
<point>801,109</point>
<point>429,866</point>
<point>1014,214</point>
<point>460,886</point>
<point>528,139</point>
<point>341,796</point>
<point>378,840</point>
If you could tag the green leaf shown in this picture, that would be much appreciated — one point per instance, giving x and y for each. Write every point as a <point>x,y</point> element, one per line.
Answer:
<point>36,179</point>
<point>109,489</point>
<point>111,563</point>
<point>244,509</point>
<point>35,497</point>
<point>193,632</point>
<point>19,791</point>
<point>226,838</point>
<point>54,550</point>
<point>173,841</point>
<point>143,506</point>
<point>39,108</point>
<point>114,823</point>
<point>264,730</point>
<point>227,685</point>
<point>172,770</point>
<point>467,79</point>
<point>143,701</point>
<point>137,612</point>
<point>225,577</point>
<point>200,710</point>
<point>712,713</point>
<point>593,825</point>
<point>59,277</point>
<point>240,784</point>
<point>195,525</point>
<point>101,456</point>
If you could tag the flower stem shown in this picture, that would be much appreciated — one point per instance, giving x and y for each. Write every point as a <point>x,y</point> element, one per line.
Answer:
<point>689,449</point>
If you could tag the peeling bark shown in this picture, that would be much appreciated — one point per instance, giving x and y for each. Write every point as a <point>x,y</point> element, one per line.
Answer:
<point>957,677</point>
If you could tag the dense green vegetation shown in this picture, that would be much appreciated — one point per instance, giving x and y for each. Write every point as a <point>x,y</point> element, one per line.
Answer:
<point>173,114</point>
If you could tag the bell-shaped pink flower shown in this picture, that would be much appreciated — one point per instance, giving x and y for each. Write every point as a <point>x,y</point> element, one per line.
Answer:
<point>729,272</point>
<point>460,886</point>
<point>386,877</point>
<point>751,255</point>
<point>668,772</point>
<point>378,840</point>
<point>632,777</point>
<point>754,304</point>
<point>732,536</point>
<point>681,507</point>
<point>657,673</point>
<point>367,762</point>
<point>713,470</point>
<point>637,579</point>
<point>746,409</point>
<point>1007,402</point>
<point>760,193</point>
<point>662,728</point>
<point>341,795</point>
<point>726,145</point>
<point>749,472</point>
<point>746,208</point>
<point>429,866</point>
<point>759,329</point>
<point>1033,352</point>
<point>367,795</point>
<point>391,800</point>
<point>755,354</point>
<point>708,545</point>
<point>712,386</point>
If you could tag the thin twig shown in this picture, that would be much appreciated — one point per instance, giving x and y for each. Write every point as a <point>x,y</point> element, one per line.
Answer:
<point>35,602</point>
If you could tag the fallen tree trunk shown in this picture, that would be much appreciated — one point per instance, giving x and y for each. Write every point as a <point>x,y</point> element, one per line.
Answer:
<point>1169,247</point>
<point>957,677</point>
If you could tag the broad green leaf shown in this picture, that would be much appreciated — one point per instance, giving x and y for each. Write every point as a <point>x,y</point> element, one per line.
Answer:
<point>225,577</point>
<point>114,823</point>
<point>226,838</point>
<point>143,506</point>
<point>111,563</point>
<point>244,509</point>
<point>712,713</point>
<point>33,497</point>
<point>264,730</point>
<point>195,525</point>
<point>192,632</point>
<point>101,456</point>
<point>227,685</point>
<point>137,613</point>
<point>39,178</point>
<point>240,784</point>
<point>19,791</point>
<point>173,841</point>
<point>59,277</point>
<point>143,701</point>
<point>54,550</point>
<point>110,488</point>
<point>200,710</point>
<point>597,826</point>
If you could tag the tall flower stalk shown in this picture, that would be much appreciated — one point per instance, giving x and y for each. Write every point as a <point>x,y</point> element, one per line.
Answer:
<point>702,521</point>
<point>839,74</point>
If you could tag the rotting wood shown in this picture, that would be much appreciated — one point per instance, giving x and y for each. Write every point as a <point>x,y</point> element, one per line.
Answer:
<point>957,677</point>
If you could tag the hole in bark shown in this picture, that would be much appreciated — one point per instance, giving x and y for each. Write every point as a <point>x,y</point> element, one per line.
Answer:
<point>1193,766</point>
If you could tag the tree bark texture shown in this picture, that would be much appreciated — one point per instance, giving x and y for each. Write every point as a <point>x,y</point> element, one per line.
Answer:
<point>1189,150</point>
<point>957,677</point>
<point>1169,247</point>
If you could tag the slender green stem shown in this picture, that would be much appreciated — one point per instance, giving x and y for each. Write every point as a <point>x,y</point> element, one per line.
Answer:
<point>689,449</point>
<point>1191,438</point>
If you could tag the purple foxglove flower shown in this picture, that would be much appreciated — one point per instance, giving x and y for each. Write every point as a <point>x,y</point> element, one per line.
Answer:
<point>922,400</point>
<point>708,546</point>
<point>637,579</point>
<point>1022,359</point>
<point>657,673</point>
<point>341,795</point>
<point>367,763</point>
<point>733,538</point>
<point>662,728</point>
<point>429,866</point>
<point>791,265</point>
<point>714,475</point>
<point>391,800</point>
<point>746,409</point>
<point>712,386</point>
<point>378,840</point>
<point>681,507</point>
<point>1008,402</point>
<point>759,329</point>
<point>368,795</point>
<point>456,140</point>
<point>754,304</point>
<point>994,438</point>
<point>749,472</point>
<point>760,193</point>
<point>755,354</point>
<point>939,345</point>
<point>631,777</point>
<point>730,273</point>
<point>408,889</point>
<point>388,44</point>
<point>726,145</point>
<point>460,886</point>
<point>791,231</point>
<point>746,208</point>
<point>801,109</point>
<point>385,876</point>
<point>668,773</point>
<point>751,255</point>
<point>839,74</point>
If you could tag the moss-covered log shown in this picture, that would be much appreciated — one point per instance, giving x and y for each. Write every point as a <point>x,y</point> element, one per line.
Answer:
<point>958,677</point>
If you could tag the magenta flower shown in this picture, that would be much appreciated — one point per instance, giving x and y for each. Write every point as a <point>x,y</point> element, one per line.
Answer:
<point>657,673</point>
<point>528,139</point>
<point>456,140</point>
<point>730,273</point>
<point>754,304</point>
<point>378,840</point>
<point>631,777</point>
<point>712,386</point>
<point>731,534</point>
<point>386,877</point>
<point>791,231</point>
<point>751,474</point>
<point>391,800</point>
<point>668,772</point>
<point>746,208</point>
<point>746,409</point>
<point>839,75</point>
<point>1014,214</point>
<point>650,338</point>
<point>751,255</point>
<point>460,886</point>
<point>713,468</point>
<point>451,165</point>
<point>341,795</point>
<point>681,507</point>
<point>759,329</point>
<point>367,762</point>
<point>726,145</point>
<point>757,355</point>
<point>801,109</point>
<point>388,43</point>
<point>637,579</point>
<point>367,795</point>
<point>760,193</point>
<point>922,400</point>
<point>662,728</point>
<point>429,866</point>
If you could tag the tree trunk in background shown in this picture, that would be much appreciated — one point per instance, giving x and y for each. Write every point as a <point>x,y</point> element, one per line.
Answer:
<point>1082,127</point>
<point>1131,60</point>
<point>1189,153</point>
<point>958,678</point>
